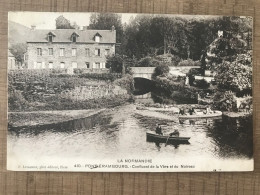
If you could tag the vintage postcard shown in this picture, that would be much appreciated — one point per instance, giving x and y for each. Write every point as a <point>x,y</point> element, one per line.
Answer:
<point>107,92</point>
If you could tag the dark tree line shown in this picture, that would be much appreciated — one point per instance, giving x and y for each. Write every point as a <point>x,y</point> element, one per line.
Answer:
<point>186,37</point>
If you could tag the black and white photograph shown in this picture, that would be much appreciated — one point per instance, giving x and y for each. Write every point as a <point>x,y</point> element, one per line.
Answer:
<point>117,92</point>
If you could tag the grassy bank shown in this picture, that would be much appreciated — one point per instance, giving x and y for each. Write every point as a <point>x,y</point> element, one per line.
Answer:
<point>37,90</point>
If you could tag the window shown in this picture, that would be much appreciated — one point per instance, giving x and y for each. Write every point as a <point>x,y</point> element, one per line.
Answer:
<point>50,51</point>
<point>74,65</point>
<point>39,65</point>
<point>97,38</point>
<point>39,51</point>
<point>97,52</point>
<point>87,64</point>
<point>50,37</point>
<point>74,51</point>
<point>87,52</point>
<point>62,51</point>
<point>74,38</point>
<point>62,65</point>
<point>107,52</point>
<point>97,65</point>
<point>50,64</point>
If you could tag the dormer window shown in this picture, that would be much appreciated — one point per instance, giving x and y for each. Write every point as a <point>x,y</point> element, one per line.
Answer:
<point>74,37</point>
<point>51,35</point>
<point>97,37</point>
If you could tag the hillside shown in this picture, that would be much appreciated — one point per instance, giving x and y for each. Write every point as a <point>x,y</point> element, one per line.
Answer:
<point>17,33</point>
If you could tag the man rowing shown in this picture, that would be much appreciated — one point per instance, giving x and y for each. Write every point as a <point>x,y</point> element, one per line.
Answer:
<point>159,130</point>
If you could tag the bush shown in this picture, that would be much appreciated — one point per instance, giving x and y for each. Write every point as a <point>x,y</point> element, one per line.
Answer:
<point>148,62</point>
<point>126,82</point>
<point>189,62</point>
<point>225,101</point>
<point>103,76</point>
<point>161,70</point>
<point>202,84</point>
<point>16,101</point>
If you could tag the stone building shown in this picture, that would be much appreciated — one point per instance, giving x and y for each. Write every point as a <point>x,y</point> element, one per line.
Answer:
<point>69,48</point>
<point>11,61</point>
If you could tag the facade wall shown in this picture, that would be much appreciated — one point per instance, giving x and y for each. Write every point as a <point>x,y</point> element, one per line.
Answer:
<point>11,62</point>
<point>42,61</point>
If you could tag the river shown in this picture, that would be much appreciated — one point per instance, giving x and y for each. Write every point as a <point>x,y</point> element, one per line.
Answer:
<point>121,133</point>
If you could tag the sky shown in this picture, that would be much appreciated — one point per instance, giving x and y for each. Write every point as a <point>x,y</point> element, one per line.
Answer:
<point>46,20</point>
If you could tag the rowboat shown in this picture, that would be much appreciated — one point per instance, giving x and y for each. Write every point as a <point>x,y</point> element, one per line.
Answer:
<point>153,137</point>
<point>201,115</point>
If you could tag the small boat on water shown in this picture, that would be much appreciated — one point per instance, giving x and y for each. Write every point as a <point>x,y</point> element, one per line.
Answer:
<point>201,115</point>
<point>153,137</point>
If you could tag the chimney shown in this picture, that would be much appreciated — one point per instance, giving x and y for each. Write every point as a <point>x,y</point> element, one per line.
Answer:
<point>33,27</point>
<point>112,28</point>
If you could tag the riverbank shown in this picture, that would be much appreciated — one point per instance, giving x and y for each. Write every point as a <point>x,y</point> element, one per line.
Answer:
<point>35,118</point>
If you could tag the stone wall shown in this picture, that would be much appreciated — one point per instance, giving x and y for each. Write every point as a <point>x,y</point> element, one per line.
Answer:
<point>41,62</point>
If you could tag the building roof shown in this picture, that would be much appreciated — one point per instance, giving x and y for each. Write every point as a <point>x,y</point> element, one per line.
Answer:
<point>64,36</point>
<point>10,54</point>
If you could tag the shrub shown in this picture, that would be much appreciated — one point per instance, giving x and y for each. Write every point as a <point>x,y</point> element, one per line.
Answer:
<point>224,101</point>
<point>189,62</point>
<point>126,82</point>
<point>148,62</point>
<point>202,84</point>
<point>161,70</point>
<point>103,76</point>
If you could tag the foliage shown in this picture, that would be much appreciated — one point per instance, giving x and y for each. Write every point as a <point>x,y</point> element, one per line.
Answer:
<point>63,23</point>
<point>126,82</point>
<point>191,74</point>
<point>39,90</point>
<point>202,84</point>
<point>16,99</point>
<point>115,63</point>
<point>189,62</point>
<point>182,37</point>
<point>234,76</point>
<point>148,62</point>
<point>102,76</point>
<point>18,50</point>
<point>175,90</point>
<point>120,64</point>
<point>161,70</point>
<point>224,101</point>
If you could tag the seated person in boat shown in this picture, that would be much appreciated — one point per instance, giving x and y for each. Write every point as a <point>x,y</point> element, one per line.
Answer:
<point>208,111</point>
<point>159,129</point>
<point>192,111</point>
<point>176,133</point>
<point>182,111</point>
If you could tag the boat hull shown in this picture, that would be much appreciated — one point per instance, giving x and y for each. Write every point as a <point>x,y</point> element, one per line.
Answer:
<point>216,114</point>
<point>152,137</point>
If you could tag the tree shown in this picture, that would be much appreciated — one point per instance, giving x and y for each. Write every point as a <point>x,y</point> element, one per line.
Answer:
<point>120,64</point>
<point>234,76</point>
<point>63,23</point>
<point>18,50</point>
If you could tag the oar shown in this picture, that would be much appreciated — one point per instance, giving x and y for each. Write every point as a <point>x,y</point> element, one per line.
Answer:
<point>167,140</point>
